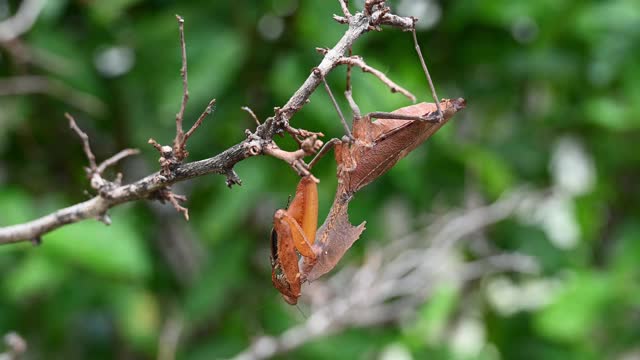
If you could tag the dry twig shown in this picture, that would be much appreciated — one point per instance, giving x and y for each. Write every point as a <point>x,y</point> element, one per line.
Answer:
<point>22,21</point>
<point>16,345</point>
<point>173,169</point>
<point>34,84</point>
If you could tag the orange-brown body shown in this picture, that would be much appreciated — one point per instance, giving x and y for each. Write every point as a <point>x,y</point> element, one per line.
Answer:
<point>377,147</point>
<point>294,232</point>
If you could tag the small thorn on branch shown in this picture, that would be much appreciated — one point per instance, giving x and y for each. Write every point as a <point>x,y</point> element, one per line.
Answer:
<point>322,51</point>
<point>105,219</point>
<point>340,19</point>
<point>436,100</point>
<point>36,241</point>
<point>155,144</point>
<point>232,178</point>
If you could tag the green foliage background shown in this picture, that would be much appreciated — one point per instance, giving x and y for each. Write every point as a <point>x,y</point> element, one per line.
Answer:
<point>533,72</point>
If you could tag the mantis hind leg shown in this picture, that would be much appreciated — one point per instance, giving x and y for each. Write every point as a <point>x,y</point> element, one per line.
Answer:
<point>426,73</point>
<point>324,150</point>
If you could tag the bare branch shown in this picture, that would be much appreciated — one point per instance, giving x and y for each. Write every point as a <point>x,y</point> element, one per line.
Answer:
<point>141,189</point>
<point>115,159</point>
<point>359,62</point>
<point>208,110</point>
<point>358,25</point>
<point>344,4</point>
<point>85,142</point>
<point>173,170</point>
<point>17,346</point>
<point>369,5</point>
<point>33,84</point>
<point>185,88</point>
<point>295,158</point>
<point>170,336</point>
<point>348,81</point>
<point>404,23</point>
<point>22,21</point>
<point>340,19</point>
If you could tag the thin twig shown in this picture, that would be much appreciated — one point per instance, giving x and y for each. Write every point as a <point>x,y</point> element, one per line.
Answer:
<point>344,4</point>
<point>359,62</point>
<point>85,142</point>
<point>170,337</point>
<point>208,110</point>
<point>16,345</point>
<point>358,25</point>
<point>185,88</point>
<point>327,146</point>
<point>115,159</point>
<point>436,100</point>
<point>34,84</point>
<point>352,103</point>
<point>348,82</point>
<point>253,115</point>
<point>22,21</point>
<point>256,143</point>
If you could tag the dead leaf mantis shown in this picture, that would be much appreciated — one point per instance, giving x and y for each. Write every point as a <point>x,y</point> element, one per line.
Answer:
<point>370,150</point>
<point>294,231</point>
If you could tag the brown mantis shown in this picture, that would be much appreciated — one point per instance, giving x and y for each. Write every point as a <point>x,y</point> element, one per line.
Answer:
<point>299,253</point>
<point>294,229</point>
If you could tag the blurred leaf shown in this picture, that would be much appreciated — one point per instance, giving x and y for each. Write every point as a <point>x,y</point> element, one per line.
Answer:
<point>492,171</point>
<point>227,209</point>
<point>626,253</point>
<point>226,271</point>
<point>611,114</point>
<point>577,310</point>
<point>15,207</point>
<point>601,19</point>
<point>35,275</point>
<point>108,11</point>
<point>53,10</point>
<point>114,251</point>
<point>76,71</point>
<point>215,56</point>
<point>433,318</point>
<point>138,317</point>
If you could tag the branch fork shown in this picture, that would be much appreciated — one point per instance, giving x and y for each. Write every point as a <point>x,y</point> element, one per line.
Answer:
<point>172,157</point>
<point>174,168</point>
